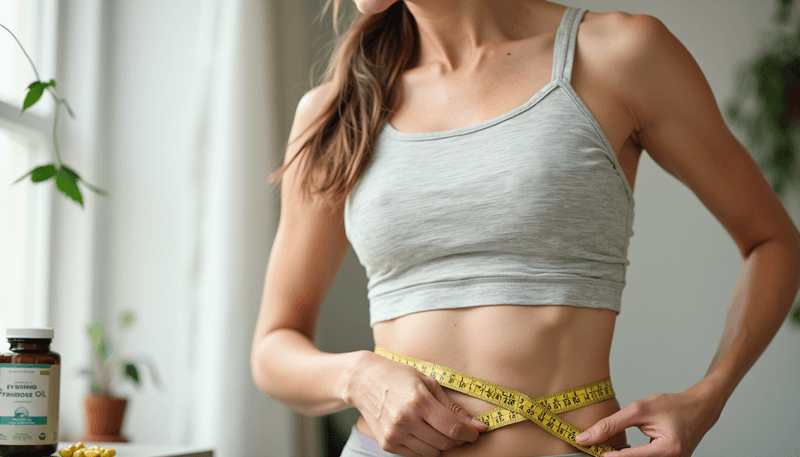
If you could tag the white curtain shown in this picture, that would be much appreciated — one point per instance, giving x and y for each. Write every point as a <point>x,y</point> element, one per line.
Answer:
<point>231,131</point>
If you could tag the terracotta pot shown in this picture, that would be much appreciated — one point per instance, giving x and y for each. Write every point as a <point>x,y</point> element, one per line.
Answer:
<point>103,415</point>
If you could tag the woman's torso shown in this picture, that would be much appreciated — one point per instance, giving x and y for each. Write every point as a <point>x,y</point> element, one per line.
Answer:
<point>536,350</point>
<point>533,349</point>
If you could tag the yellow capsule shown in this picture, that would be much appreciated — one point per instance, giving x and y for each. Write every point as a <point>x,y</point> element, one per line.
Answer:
<point>65,453</point>
<point>107,453</point>
<point>91,453</point>
<point>79,453</point>
<point>79,446</point>
<point>95,447</point>
<point>113,452</point>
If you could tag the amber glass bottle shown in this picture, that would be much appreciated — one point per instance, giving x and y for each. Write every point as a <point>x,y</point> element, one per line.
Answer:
<point>29,391</point>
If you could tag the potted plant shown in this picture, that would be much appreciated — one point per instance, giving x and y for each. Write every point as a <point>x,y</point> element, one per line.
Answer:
<point>104,411</point>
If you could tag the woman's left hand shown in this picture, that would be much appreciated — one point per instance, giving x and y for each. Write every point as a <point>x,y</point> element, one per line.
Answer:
<point>675,424</point>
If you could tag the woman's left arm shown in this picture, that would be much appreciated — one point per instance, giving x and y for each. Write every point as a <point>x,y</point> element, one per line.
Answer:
<point>682,129</point>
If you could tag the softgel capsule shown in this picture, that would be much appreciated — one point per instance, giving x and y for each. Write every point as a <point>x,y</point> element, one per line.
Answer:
<point>78,450</point>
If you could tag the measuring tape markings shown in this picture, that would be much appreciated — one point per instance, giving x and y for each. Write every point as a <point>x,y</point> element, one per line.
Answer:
<point>514,406</point>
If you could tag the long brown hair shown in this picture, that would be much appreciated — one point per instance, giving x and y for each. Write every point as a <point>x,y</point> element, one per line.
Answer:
<point>365,68</point>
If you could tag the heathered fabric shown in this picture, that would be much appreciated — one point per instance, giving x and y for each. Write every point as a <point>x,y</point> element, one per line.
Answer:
<point>528,208</point>
<point>361,445</point>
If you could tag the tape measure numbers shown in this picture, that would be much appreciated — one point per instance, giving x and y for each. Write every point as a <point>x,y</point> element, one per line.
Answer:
<point>514,406</point>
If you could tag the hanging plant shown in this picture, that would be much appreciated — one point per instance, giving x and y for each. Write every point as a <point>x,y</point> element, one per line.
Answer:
<point>66,178</point>
<point>766,105</point>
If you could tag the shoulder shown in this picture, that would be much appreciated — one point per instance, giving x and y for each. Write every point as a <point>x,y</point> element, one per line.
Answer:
<point>312,102</point>
<point>316,95</point>
<point>627,41</point>
<point>638,53</point>
<point>628,33</point>
<point>309,108</point>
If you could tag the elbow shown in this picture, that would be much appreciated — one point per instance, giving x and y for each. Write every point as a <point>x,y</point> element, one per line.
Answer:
<point>257,370</point>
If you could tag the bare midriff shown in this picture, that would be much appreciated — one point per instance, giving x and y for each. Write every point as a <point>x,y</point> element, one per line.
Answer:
<point>536,350</point>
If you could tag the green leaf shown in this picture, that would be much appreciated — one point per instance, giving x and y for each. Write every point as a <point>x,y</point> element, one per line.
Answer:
<point>71,173</point>
<point>43,173</point>
<point>67,184</point>
<point>98,335</point>
<point>35,90</point>
<point>103,350</point>
<point>131,372</point>
<point>77,178</point>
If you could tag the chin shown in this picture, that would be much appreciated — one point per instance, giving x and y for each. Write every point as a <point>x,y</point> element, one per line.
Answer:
<point>373,6</point>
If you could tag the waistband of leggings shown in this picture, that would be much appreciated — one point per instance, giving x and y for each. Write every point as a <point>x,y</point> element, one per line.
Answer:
<point>355,431</point>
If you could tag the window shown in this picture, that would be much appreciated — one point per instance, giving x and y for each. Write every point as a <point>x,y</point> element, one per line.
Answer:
<point>25,142</point>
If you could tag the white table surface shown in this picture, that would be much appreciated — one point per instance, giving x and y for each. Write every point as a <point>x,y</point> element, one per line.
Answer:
<point>146,450</point>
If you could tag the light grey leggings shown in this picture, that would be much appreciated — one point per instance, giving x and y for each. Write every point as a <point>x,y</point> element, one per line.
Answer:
<point>361,445</point>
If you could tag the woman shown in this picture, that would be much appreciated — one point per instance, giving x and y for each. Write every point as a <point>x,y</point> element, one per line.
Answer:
<point>468,199</point>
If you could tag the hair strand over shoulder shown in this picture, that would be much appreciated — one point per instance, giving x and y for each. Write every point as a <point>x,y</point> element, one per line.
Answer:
<point>363,74</point>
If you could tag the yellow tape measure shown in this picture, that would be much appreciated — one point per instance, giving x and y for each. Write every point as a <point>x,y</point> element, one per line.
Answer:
<point>515,406</point>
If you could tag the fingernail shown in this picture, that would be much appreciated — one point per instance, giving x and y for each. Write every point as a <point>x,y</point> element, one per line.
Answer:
<point>583,436</point>
<point>477,422</point>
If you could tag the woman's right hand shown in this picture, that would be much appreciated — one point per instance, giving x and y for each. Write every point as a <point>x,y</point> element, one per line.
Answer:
<point>409,413</point>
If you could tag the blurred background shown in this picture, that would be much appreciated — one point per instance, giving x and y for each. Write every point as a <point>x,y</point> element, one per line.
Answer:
<point>182,109</point>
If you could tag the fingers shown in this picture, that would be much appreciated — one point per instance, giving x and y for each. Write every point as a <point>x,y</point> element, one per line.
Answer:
<point>404,440</point>
<point>611,425</point>
<point>420,440</point>
<point>421,447</point>
<point>428,423</point>
<point>428,433</point>
<point>449,417</point>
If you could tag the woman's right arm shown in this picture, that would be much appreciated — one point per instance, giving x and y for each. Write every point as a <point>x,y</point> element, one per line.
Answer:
<point>409,412</point>
<point>309,247</point>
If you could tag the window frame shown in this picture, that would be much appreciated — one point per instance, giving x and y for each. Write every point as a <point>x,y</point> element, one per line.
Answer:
<point>37,130</point>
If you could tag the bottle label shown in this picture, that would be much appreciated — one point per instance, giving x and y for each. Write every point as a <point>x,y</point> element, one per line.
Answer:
<point>28,404</point>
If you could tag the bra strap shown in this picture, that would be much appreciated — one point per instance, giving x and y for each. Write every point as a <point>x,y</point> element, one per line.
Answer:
<point>566,38</point>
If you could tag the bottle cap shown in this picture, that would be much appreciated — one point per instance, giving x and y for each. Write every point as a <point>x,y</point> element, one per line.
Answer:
<point>35,333</point>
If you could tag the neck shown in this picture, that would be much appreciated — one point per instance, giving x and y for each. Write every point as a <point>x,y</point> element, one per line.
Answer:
<point>457,34</point>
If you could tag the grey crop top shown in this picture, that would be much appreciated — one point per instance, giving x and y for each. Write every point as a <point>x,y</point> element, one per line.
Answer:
<point>528,208</point>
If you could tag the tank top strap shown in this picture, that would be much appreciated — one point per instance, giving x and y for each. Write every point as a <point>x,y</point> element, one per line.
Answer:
<point>566,37</point>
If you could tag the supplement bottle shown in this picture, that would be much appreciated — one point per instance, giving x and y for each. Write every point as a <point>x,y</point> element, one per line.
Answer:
<point>29,385</point>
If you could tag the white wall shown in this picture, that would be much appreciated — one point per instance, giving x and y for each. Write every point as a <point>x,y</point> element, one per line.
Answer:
<point>148,252</point>
<point>683,267</point>
<point>134,251</point>
<point>149,51</point>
